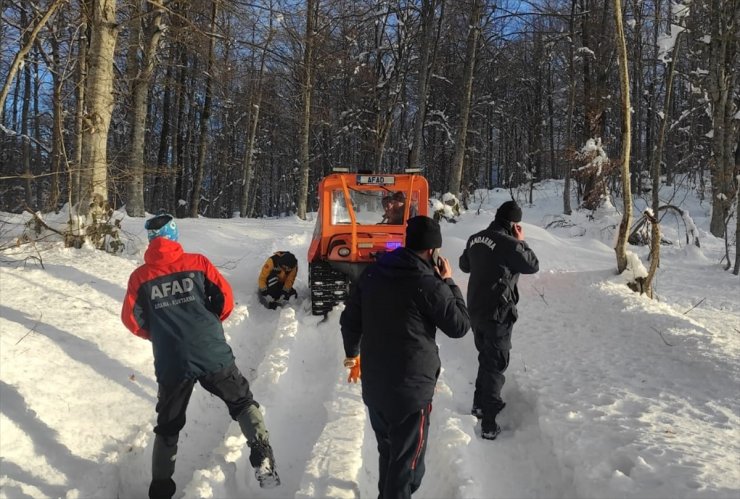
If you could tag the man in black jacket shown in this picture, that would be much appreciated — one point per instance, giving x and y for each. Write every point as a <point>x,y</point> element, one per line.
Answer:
<point>494,258</point>
<point>391,316</point>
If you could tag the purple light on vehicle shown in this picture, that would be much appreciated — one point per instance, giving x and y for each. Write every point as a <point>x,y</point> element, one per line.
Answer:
<point>391,245</point>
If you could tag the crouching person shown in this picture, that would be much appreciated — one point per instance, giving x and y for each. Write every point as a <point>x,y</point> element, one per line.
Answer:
<point>276,279</point>
<point>177,301</point>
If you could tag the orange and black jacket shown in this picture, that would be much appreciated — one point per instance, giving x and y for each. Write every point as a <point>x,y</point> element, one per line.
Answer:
<point>178,300</point>
<point>271,270</point>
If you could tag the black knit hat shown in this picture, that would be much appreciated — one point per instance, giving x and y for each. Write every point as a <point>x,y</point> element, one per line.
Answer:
<point>509,212</point>
<point>287,259</point>
<point>423,233</point>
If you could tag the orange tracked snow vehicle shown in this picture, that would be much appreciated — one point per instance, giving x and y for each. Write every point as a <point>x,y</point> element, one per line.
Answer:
<point>360,217</point>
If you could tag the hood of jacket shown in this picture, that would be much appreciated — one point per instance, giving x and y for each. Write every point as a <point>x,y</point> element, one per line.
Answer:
<point>162,251</point>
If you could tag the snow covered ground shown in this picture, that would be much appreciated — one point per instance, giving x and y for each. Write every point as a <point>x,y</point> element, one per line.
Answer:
<point>609,394</point>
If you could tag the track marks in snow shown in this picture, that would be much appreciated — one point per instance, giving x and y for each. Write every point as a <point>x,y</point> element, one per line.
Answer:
<point>520,463</point>
<point>297,375</point>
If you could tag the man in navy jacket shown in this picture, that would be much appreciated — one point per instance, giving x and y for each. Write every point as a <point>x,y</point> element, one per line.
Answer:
<point>177,301</point>
<point>494,258</point>
<point>391,317</point>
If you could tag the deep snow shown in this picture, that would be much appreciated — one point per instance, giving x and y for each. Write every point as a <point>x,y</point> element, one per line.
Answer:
<point>609,394</point>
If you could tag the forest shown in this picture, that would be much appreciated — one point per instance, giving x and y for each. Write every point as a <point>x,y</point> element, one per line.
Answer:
<point>223,108</point>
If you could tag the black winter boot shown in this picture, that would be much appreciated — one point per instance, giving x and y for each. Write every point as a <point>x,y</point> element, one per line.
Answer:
<point>163,467</point>
<point>490,432</point>
<point>263,462</point>
<point>489,429</point>
<point>162,489</point>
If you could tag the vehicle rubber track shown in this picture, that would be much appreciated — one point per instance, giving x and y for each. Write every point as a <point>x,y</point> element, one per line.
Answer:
<point>328,287</point>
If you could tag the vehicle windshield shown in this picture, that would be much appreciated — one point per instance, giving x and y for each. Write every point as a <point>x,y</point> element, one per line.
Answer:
<point>371,207</point>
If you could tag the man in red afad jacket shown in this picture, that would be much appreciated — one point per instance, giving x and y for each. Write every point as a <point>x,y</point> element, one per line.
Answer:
<point>177,301</point>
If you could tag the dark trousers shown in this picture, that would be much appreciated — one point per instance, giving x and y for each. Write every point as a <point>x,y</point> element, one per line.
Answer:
<point>401,446</point>
<point>493,342</point>
<point>274,290</point>
<point>172,401</point>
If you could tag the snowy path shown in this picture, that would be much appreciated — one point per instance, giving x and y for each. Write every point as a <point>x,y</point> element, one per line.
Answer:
<point>553,443</point>
<point>608,394</point>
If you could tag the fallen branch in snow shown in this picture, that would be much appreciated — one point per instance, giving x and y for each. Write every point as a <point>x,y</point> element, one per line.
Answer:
<point>560,222</point>
<point>33,329</point>
<point>692,308</point>
<point>542,295</point>
<point>39,221</point>
<point>661,337</point>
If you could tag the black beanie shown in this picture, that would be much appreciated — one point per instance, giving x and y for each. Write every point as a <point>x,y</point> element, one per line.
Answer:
<point>288,259</point>
<point>423,233</point>
<point>509,212</point>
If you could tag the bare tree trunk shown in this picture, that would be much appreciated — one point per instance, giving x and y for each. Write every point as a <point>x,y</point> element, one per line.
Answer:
<point>160,198</point>
<point>725,39</point>
<point>28,43</point>
<point>175,188</point>
<point>75,186</point>
<point>554,172</point>
<point>657,159</point>
<point>26,140</point>
<point>38,159</point>
<point>304,160</point>
<point>204,118</point>
<point>624,226</point>
<point>567,210</point>
<point>255,102</point>
<point>736,269</point>
<point>139,96</point>
<point>465,98</point>
<point>99,106</point>
<point>428,8</point>
<point>57,139</point>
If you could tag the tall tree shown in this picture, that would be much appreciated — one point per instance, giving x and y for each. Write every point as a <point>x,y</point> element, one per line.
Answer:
<point>428,9</point>
<point>57,133</point>
<point>255,104</point>
<point>465,97</point>
<point>736,269</point>
<point>99,106</point>
<point>25,110</point>
<point>75,171</point>
<point>140,69</point>
<point>624,84</point>
<point>724,46</point>
<point>306,92</point>
<point>205,117</point>
<point>656,160</point>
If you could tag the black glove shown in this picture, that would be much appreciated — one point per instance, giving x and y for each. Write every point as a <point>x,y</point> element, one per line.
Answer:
<point>263,292</point>
<point>287,293</point>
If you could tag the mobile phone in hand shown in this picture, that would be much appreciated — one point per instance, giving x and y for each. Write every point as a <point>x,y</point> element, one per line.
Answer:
<point>436,258</point>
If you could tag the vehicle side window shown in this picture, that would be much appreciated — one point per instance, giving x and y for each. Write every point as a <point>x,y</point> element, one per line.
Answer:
<point>339,211</point>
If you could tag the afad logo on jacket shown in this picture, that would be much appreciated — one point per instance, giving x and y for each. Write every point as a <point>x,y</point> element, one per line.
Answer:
<point>172,288</point>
